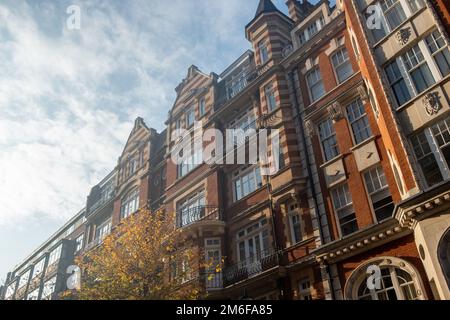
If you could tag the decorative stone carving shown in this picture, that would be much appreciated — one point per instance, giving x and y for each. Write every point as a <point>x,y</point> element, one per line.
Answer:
<point>431,103</point>
<point>403,36</point>
<point>363,93</point>
<point>309,129</point>
<point>287,50</point>
<point>335,111</point>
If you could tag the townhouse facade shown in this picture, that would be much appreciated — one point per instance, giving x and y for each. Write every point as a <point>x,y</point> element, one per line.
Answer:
<point>358,94</point>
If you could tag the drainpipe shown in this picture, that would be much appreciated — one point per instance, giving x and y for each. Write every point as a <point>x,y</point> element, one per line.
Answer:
<point>299,119</point>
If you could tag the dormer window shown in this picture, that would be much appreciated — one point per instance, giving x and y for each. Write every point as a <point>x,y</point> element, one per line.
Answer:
<point>312,29</point>
<point>263,52</point>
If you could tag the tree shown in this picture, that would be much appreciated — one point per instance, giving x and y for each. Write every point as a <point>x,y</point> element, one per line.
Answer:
<point>142,259</point>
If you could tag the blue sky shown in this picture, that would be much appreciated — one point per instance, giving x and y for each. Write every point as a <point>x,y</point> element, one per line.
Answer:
<point>68,98</point>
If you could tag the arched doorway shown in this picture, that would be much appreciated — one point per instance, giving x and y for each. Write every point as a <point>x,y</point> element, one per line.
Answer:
<point>444,255</point>
<point>399,281</point>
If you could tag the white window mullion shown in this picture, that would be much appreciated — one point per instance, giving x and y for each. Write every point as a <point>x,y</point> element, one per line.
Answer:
<point>430,61</point>
<point>437,154</point>
<point>405,74</point>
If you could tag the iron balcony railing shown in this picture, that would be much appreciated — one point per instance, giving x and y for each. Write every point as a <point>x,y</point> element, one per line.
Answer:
<point>252,266</point>
<point>189,216</point>
<point>212,279</point>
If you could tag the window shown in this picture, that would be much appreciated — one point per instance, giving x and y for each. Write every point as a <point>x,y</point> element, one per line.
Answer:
<point>34,295</point>
<point>178,124</point>
<point>253,244</point>
<point>270,98</point>
<point>10,290</point>
<point>244,121</point>
<point>342,201</point>
<point>102,231</point>
<point>379,193</point>
<point>396,284</point>
<point>440,52</point>
<point>38,268</point>
<point>432,149</point>
<point>70,229</point>
<point>294,220</point>
<point>304,289</point>
<point>311,30</point>
<point>418,69</point>
<point>328,139</point>
<point>342,65</point>
<point>79,243</point>
<point>130,204</point>
<point>190,162</point>
<point>263,52</point>
<point>426,159</point>
<point>213,257</point>
<point>48,289</point>
<point>55,255</point>
<point>191,209</point>
<point>393,12</point>
<point>397,83</point>
<point>415,5</point>
<point>202,107</point>
<point>23,280</point>
<point>315,84</point>
<point>441,134</point>
<point>190,117</point>
<point>246,181</point>
<point>358,121</point>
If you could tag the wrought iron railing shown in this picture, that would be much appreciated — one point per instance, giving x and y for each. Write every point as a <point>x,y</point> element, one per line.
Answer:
<point>189,216</point>
<point>212,280</point>
<point>252,266</point>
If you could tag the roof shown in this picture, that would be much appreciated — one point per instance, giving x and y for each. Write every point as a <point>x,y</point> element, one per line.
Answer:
<point>264,7</point>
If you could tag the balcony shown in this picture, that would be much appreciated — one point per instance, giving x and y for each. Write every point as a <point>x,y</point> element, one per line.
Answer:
<point>212,280</point>
<point>201,218</point>
<point>252,267</point>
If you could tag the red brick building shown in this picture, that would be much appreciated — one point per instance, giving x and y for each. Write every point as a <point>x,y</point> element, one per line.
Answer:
<point>359,93</point>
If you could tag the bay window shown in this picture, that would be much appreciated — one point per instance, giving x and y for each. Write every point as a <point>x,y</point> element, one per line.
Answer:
<point>378,190</point>
<point>311,30</point>
<point>343,205</point>
<point>328,139</point>
<point>191,209</point>
<point>246,181</point>
<point>358,121</point>
<point>102,231</point>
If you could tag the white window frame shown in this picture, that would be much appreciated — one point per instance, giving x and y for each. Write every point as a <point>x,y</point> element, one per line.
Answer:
<point>382,192</point>
<point>304,289</point>
<point>129,204</point>
<point>345,204</point>
<point>252,172</point>
<point>212,270</point>
<point>48,288</point>
<point>269,93</point>
<point>103,230</point>
<point>438,49</point>
<point>34,295</point>
<point>342,58</point>
<point>306,34</point>
<point>79,243</point>
<point>356,118</point>
<point>325,138</point>
<point>255,232</point>
<point>295,219</point>
<point>55,255</point>
<point>202,107</point>
<point>318,81</point>
<point>263,52</point>
<point>39,267</point>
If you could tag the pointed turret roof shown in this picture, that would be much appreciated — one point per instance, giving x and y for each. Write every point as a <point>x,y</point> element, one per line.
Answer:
<point>264,7</point>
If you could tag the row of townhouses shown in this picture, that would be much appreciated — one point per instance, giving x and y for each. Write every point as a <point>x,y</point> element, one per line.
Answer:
<point>359,92</point>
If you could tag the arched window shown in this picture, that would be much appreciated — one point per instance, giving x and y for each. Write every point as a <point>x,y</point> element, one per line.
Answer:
<point>398,281</point>
<point>444,255</point>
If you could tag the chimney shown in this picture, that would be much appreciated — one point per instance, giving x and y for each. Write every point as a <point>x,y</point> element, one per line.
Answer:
<point>294,10</point>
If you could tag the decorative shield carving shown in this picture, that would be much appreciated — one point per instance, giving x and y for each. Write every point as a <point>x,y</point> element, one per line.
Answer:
<point>335,111</point>
<point>431,103</point>
<point>403,36</point>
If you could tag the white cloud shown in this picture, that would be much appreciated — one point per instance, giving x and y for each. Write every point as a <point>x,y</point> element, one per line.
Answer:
<point>68,98</point>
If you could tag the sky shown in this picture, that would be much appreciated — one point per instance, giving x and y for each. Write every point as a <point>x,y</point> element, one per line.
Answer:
<point>69,97</point>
